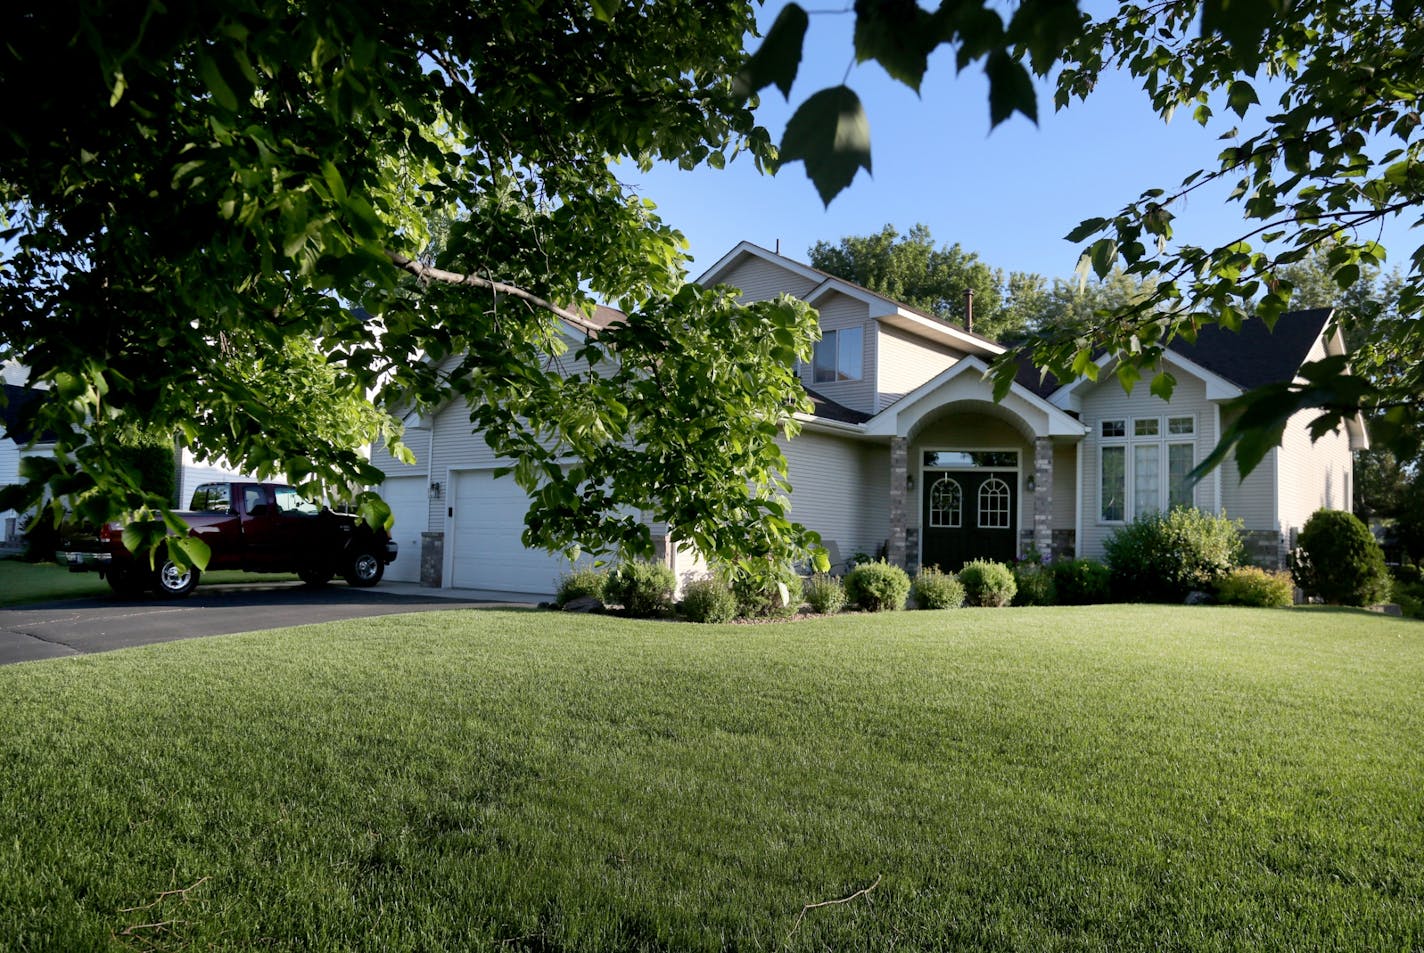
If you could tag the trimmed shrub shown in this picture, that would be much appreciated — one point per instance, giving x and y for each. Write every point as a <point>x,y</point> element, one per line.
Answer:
<point>1161,557</point>
<point>825,594</point>
<point>643,589</point>
<point>1035,585</point>
<point>877,587</point>
<point>578,583</point>
<point>1253,586</point>
<point>759,596</point>
<point>708,600</point>
<point>1405,572</point>
<point>1339,561</point>
<point>987,583</point>
<point>1081,582</point>
<point>934,589</point>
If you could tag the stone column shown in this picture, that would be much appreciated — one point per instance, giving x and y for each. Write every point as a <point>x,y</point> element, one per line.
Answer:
<point>432,560</point>
<point>1043,497</point>
<point>899,473</point>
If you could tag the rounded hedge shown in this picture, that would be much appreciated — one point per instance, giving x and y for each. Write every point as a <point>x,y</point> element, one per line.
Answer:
<point>1161,557</point>
<point>824,594</point>
<point>643,589</point>
<point>761,597</point>
<point>987,583</point>
<point>877,587</point>
<point>1081,582</point>
<point>1253,586</point>
<point>579,583</point>
<point>1036,586</point>
<point>1339,561</point>
<point>934,589</point>
<point>708,600</point>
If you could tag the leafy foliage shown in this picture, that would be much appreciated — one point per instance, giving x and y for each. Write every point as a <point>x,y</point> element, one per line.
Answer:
<point>1035,585</point>
<point>708,601</point>
<point>644,589</point>
<point>1339,561</point>
<point>824,594</point>
<point>877,587</point>
<point>1081,582</point>
<point>936,589</point>
<point>579,584</point>
<point>773,591</point>
<point>1253,586</point>
<point>987,583</point>
<point>212,189</point>
<point>1161,557</point>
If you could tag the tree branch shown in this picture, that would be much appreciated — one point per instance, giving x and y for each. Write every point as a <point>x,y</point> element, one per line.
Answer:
<point>428,273</point>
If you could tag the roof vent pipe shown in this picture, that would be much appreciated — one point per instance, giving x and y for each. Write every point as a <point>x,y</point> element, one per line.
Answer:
<point>969,310</point>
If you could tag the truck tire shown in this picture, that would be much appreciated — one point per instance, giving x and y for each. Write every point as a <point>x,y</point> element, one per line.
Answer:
<point>314,577</point>
<point>126,583</point>
<point>174,581</point>
<point>364,568</point>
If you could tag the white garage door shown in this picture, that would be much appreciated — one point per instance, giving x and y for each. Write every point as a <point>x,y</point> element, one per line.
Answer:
<point>408,498</point>
<point>488,518</point>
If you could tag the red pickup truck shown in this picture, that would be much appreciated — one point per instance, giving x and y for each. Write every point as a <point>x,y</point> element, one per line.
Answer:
<point>255,527</point>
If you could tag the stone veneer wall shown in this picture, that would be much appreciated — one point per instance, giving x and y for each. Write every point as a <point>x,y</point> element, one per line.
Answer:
<point>1265,548</point>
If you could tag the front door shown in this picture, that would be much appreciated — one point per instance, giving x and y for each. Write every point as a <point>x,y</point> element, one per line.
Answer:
<point>969,514</point>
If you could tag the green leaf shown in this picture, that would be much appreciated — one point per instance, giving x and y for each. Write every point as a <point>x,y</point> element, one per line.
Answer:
<point>216,84</point>
<point>1085,228</point>
<point>189,551</point>
<point>605,9</point>
<point>899,36</point>
<point>1010,89</point>
<point>1102,253</point>
<point>1241,96</point>
<point>778,59</point>
<point>831,135</point>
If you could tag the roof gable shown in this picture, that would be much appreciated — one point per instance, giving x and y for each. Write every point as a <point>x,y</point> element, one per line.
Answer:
<point>1257,355</point>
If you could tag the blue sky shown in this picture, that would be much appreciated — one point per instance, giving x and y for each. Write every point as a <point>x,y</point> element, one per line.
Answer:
<point>1010,194</point>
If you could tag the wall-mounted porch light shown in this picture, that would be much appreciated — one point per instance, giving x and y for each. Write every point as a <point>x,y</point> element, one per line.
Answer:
<point>435,490</point>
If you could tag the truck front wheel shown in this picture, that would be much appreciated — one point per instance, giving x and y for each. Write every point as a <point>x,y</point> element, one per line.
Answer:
<point>126,583</point>
<point>364,569</point>
<point>175,581</point>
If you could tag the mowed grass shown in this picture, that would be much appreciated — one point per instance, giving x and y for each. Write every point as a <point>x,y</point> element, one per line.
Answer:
<point>1103,778</point>
<point>22,582</point>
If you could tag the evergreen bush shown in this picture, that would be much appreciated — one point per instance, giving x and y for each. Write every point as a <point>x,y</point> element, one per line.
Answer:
<point>578,583</point>
<point>987,583</point>
<point>825,594</point>
<point>934,589</point>
<point>709,601</point>
<point>643,589</point>
<point>877,587</point>
<point>1253,586</point>
<point>1081,582</point>
<point>1339,561</point>
<point>1161,557</point>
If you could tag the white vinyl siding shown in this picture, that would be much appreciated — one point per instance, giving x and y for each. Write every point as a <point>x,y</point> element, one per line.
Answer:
<point>840,489</point>
<point>1253,500</point>
<point>760,280</point>
<point>1065,487</point>
<point>1312,476</point>
<point>906,362</point>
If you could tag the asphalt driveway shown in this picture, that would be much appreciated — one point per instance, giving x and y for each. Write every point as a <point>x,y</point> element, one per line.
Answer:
<point>82,626</point>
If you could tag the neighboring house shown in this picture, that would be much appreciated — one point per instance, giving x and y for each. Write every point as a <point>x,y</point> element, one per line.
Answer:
<point>907,454</point>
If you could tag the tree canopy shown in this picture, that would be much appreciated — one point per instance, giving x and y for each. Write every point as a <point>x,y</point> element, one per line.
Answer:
<point>188,189</point>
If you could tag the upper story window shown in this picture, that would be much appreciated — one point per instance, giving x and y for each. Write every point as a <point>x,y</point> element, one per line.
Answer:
<point>840,355</point>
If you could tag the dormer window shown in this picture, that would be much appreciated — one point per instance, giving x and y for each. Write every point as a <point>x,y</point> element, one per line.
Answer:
<point>840,355</point>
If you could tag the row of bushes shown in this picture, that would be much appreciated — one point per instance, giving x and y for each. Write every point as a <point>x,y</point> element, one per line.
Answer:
<point>1161,557</point>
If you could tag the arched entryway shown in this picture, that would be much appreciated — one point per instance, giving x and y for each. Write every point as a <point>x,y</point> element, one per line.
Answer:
<point>969,507</point>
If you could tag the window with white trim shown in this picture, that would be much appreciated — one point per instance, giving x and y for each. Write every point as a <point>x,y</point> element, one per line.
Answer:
<point>1143,465</point>
<point>994,504</point>
<point>839,356</point>
<point>946,504</point>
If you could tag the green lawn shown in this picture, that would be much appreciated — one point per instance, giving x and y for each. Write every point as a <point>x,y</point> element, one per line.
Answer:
<point>1103,778</point>
<point>22,582</point>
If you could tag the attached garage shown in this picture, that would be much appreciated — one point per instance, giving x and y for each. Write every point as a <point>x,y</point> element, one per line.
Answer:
<point>409,500</point>
<point>486,518</point>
